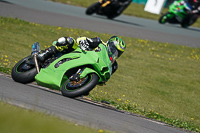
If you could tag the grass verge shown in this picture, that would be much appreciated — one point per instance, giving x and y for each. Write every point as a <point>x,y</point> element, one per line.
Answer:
<point>157,80</point>
<point>17,120</point>
<point>134,9</point>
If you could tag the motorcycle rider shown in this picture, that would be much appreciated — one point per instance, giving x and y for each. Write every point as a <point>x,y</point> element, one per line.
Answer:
<point>64,45</point>
<point>193,14</point>
<point>195,6</point>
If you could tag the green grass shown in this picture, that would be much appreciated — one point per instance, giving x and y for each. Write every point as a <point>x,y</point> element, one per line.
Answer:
<point>17,120</point>
<point>157,80</point>
<point>134,9</point>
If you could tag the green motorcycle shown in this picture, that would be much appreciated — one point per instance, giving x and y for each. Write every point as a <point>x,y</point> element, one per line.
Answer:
<point>74,74</point>
<point>178,14</point>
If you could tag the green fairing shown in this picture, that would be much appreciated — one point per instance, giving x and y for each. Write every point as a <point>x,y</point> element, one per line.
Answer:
<point>95,62</point>
<point>177,13</point>
<point>177,9</point>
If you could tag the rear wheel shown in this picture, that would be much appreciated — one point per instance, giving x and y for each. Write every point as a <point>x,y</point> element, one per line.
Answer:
<point>190,21</point>
<point>93,8</point>
<point>111,17</point>
<point>78,88</point>
<point>183,25</point>
<point>24,71</point>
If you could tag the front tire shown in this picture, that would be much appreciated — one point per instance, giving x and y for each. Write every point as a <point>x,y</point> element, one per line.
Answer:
<point>93,8</point>
<point>164,18</point>
<point>74,89</point>
<point>22,75</point>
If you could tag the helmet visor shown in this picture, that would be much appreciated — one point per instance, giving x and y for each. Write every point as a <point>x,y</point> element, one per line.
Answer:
<point>112,51</point>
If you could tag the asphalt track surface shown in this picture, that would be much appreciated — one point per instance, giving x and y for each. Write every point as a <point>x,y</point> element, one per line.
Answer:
<point>82,112</point>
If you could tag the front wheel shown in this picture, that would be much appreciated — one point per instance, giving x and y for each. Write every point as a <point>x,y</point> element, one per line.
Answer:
<point>164,18</point>
<point>93,8</point>
<point>74,89</point>
<point>24,71</point>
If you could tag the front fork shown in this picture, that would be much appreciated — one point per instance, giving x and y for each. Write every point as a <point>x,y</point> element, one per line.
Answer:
<point>35,51</point>
<point>36,62</point>
<point>76,76</point>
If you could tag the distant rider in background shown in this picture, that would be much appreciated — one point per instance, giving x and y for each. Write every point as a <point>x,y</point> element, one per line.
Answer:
<point>194,13</point>
<point>195,6</point>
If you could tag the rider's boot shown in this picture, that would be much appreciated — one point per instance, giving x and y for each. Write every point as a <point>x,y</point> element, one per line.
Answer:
<point>47,53</point>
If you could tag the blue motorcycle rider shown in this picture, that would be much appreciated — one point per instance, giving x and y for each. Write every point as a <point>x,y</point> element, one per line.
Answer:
<point>195,6</point>
<point>194,13</point>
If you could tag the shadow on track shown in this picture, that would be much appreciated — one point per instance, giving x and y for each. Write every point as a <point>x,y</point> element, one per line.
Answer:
<point>189,28</point>
<point>5,2</point>
<point>192,28</point>
<point>81,99</point>
<point>121,21</point>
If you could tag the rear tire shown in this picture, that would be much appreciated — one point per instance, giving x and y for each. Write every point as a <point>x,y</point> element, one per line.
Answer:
<point>23,76</point>
<point>183,25</point>
<point>93,8</point>
<point>111,17</point>
<point>83,87</point>
<point>190,21</point>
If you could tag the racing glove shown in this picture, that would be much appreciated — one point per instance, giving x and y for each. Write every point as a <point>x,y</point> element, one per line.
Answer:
<point>94,42</point>
<point>90,44</point>
<point>84,44</point>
